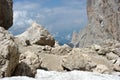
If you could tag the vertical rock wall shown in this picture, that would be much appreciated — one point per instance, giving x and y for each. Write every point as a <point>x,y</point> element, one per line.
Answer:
<point>104,22</point>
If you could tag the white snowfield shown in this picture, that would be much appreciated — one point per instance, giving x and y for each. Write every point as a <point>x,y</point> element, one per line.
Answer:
<point>73,75</point>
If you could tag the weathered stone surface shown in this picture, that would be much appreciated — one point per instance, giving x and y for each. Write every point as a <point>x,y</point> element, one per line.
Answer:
<point>6,13</point>
<point>117,65</point>
<point>28,63</point>
<point>9,56</point>
<point>51,62</point>
<point>104,23</point>
<point>35,57</point>
<point>61,50</point>
<point>86,61</point>
<point>36,34</point>
<point>101,69</point>
<point>112,56</point>
<point>100,50</point>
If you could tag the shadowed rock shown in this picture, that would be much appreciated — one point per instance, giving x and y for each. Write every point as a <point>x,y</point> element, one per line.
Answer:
<point>6,13</point>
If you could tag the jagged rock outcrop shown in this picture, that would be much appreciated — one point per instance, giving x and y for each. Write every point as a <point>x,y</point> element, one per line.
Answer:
<point>40,51</point>
<point>104,58</point>
<point>29,60</point>
<point>28,63</point>
<point>9,56</point>
<point>6,13</point>
<point>37,57</point>
<point>36,34</point>
<point>104,22</point>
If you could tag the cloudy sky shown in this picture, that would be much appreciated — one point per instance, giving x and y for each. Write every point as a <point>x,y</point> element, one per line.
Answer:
<point>60,17</point>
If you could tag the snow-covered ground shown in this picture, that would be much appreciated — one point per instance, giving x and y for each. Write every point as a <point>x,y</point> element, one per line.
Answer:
<point>73,75</point>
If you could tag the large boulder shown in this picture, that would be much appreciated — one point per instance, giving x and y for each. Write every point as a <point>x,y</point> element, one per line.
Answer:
<point>36,34</point>
<point>28,63</point>
<point>104,23</point>
<point>29,60</point>
<point>86,60</point>
<point>6,13</point>
<point>9,56</point>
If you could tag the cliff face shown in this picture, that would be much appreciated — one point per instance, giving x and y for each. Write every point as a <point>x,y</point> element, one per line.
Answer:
<point>6,13</point>
<point>104,22</point>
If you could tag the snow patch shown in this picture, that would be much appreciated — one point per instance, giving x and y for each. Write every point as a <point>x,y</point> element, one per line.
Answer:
<point>73,75</point>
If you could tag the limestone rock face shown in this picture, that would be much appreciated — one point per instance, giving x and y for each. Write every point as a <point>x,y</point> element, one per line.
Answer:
<point>104,22</point>
<point>6,13</point>
<point>36,34</point>
<point>9,56</point>
<point>29,61</point>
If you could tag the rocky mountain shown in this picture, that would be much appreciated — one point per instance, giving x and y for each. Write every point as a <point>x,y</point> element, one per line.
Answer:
<point>102,59</point>
<point>41,36</point>
<point>36,48</point>
<point>104,23</point>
